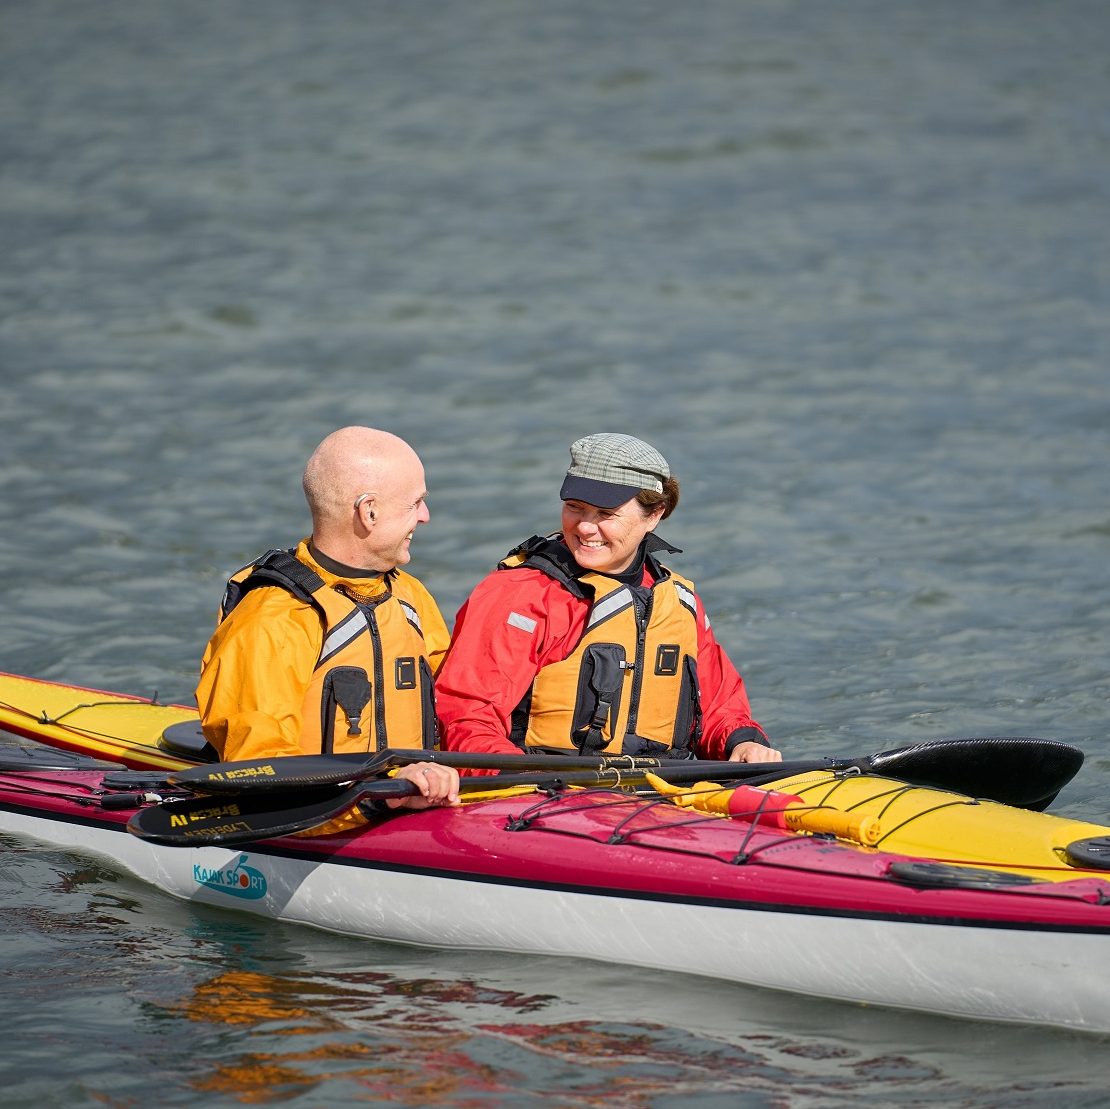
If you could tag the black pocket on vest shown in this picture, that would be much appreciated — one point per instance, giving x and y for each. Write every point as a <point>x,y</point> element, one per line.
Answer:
<point>346,692</point>
<point>598,699</point>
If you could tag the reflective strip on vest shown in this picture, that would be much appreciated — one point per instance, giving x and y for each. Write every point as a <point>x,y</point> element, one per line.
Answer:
<point>609,606</point>
<point>686,596</point>
<point>412,615</point>
<point>350,628</point>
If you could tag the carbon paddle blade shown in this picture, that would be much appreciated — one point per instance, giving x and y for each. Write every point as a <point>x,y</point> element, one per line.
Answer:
<point>1014,770</point>
<point>224,821</point>
<point>202,821</point>
<point>281,774</point>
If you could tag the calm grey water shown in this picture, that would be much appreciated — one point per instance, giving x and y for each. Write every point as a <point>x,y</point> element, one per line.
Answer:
<point>846,264</point>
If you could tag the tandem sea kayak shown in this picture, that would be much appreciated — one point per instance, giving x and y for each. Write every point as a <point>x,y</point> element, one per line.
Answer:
<point>951,905</point>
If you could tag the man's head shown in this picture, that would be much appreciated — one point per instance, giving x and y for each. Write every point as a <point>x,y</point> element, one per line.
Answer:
<point>365,490</point>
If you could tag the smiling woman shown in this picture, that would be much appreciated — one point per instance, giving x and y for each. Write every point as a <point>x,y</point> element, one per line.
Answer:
<point>616,490</point>
<point>582,641</point>
<point>607,539</point>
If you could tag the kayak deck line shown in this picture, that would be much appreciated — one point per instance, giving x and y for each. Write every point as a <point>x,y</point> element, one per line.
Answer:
<point>624,833</point>
<point>1039,868</point>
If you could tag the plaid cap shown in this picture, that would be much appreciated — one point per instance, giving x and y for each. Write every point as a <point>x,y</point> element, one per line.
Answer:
<point>608,469</point>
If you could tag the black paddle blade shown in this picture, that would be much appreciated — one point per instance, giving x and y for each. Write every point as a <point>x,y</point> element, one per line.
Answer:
<point>279,774</point>
<point>201,821</point>
<point>1015,770</point>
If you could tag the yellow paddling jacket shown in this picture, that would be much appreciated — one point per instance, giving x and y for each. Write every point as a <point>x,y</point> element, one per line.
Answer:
<point>630,686</point>
<point>372,683</point>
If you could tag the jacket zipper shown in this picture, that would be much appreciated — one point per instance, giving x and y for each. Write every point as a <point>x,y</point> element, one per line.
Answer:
<point>642,621</point>
<point>381,739</point>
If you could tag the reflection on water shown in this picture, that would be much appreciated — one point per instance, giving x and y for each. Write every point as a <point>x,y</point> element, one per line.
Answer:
<point>429,1041</point>
<point>249,1012</point>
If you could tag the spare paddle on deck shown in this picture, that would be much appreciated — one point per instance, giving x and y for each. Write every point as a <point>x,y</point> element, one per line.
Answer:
<point>1014,770</point>
<point>227,820</point>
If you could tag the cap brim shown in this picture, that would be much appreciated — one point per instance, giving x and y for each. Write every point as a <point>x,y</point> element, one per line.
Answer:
<point>601,494</point>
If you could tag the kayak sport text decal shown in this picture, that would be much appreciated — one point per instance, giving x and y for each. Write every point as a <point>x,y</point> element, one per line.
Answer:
<point>255,770</point>
<point>239,880</point>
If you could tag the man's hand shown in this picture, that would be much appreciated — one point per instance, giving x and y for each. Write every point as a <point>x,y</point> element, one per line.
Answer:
<point>438,785</point>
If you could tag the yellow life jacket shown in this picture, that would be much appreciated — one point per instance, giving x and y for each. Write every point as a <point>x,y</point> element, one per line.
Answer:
<point>630,686</point>
<point>372,684</point>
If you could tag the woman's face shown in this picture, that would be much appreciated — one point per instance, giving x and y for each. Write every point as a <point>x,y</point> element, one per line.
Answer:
<point>606,539</point>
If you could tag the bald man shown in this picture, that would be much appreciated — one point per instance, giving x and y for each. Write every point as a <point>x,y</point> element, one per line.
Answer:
<point>331,647</point>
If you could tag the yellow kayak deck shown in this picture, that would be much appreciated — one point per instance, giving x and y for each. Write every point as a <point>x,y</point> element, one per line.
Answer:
<point>949,827</point>
<point>112,726</point>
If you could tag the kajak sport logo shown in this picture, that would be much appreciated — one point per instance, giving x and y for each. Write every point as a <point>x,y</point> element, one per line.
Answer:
<point>239,880</point>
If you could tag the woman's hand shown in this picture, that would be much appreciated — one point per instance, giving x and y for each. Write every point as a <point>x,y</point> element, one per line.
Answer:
<point>754,752</point>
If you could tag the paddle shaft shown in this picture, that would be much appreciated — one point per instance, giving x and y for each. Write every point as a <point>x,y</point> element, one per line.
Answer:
<point>279,775</point>
<point>1014,770</point>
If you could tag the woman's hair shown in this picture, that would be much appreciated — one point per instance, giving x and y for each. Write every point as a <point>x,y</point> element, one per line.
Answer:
<point>649,500</point>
